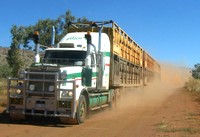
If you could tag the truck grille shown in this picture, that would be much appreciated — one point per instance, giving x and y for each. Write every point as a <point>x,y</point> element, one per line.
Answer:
<point>16,101</point>
<point>42,81</point>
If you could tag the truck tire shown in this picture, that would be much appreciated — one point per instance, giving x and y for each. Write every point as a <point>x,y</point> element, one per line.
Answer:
<point>81,110</point>
<point>115,99</point>
<point>113,104</point>
<point>80,114</point>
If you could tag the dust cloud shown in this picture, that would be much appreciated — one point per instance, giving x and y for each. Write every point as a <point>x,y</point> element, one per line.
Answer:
<point>171,79</point>
<point>134,101</point>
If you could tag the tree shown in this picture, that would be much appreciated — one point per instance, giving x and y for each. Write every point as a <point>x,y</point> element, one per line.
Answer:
<point>5,71</point>
<point>83,19</point>
<point>45,30</point>
<point>68,18</point>
<point>22,37</point>
<point>196,71</point>
<point>13,58</point>
<point>25,37</point>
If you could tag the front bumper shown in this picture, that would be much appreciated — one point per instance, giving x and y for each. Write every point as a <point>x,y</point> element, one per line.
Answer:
<point>40,103</point>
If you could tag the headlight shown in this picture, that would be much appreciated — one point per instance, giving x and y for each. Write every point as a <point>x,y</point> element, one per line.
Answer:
<point>64,94</point>
<point>63,75</point>
<point>18,91</point>
<point>32,87</point>
<point>70,93</point>
<point>51,88</point>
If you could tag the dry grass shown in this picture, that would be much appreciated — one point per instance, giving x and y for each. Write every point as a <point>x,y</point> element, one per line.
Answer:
<point>3,97</point>
<point>166,127</point>
<point>3,101</point>
<point>3,93</point>
<point>193,85</point>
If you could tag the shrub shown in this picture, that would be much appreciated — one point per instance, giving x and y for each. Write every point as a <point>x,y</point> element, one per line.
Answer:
<point>193,85</point>
<point>5,71</point>
<point>3,92</point>
<point>196,71</point>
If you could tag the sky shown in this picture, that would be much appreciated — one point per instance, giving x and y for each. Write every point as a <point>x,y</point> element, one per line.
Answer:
<point>169,30</point>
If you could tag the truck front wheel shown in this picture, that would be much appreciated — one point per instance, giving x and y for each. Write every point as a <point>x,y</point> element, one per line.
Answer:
<point>81,110</point>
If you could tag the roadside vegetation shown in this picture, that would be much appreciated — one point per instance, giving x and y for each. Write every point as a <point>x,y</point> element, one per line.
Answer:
<point>193,84</point>
<point>192,87</point>
<point>3,93</point>
<point>167,127</point>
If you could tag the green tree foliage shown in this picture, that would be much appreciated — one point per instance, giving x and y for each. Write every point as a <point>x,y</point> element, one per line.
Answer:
<point>5,71</point>
<point>13,58</point>
<point>196,71</point>
<point>22,37</point>
<point>45,30</point>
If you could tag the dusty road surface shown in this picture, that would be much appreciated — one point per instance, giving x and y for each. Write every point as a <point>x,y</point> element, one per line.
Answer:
<point>156,111</point>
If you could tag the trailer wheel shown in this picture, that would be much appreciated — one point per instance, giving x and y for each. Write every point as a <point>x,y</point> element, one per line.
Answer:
<point>81,110</point>
<point>115,99</point>
<point>113,104</point>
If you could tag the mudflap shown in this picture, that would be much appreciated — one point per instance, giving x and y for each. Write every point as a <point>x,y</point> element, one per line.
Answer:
<point>70,121</point>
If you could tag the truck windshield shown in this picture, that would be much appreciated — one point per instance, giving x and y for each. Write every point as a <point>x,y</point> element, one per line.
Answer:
<point>65,57</point>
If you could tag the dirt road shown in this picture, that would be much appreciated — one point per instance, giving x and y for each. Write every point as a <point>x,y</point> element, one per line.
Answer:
<point>164,112</point>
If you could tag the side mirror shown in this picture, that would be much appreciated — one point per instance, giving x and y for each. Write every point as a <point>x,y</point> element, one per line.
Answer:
<point>86,76</point>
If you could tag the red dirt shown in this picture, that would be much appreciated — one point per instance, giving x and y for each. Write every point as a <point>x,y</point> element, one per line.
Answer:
<point>177,114</point>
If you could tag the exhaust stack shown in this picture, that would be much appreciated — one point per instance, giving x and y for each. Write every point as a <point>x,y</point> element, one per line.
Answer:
<point>53,36</point>
<point>37,46</point>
